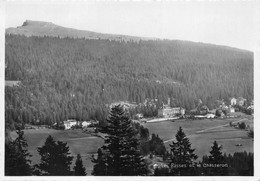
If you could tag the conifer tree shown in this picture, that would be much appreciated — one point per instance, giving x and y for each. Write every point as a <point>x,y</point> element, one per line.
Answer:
<point>120,154</point>
<point>100,166</point>
<point>55,159</point>
<point>182,157</point>
<point>17,162</point>
<point>156,145</point>
<point>217,159</point>
<point>79,169</point>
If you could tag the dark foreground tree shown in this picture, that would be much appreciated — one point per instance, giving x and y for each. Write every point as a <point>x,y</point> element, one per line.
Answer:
<point>119,155</point>
<point>215,164</point>
<point>164,171</point>
<point>157,146</point>
<point>240,164</point>
<point>55,159</point>
<point>100,165</point>
<point>17,162</point>
<point>79,169</point>
<point>182,161</point>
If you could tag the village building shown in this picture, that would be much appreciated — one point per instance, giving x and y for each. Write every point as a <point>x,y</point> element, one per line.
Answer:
<point>200,110</point>
<point>29,126</point>
<point>150,102</point>
<point>241,101</point>
<point>231,109</point>
<point>155,166</point>
<point>139,116</point>
<point>210,116</point>
<point>220,102</point>
<point>233,101</point>
<point>182,111</point>
<point>12,83</point>
<point>252,102</point>
<point>85,124</point>
<point>94,122</point>
<point>69,123</point>
<point>125,104</point>
<point>212,111</point>
<point>251,107</point>
<point>169,112</point>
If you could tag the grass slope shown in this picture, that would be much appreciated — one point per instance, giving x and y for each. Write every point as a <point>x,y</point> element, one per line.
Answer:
<point>202,134</point>
<point>79,142</point>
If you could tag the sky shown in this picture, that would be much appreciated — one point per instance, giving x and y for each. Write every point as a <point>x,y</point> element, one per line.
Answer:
<point>230,23</point>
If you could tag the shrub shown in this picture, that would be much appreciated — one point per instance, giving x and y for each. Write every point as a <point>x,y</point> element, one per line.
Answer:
<point>250,133</point>
<point>242,125</point>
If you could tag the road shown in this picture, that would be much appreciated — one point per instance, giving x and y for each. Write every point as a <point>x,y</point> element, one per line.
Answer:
<point>82,138</point>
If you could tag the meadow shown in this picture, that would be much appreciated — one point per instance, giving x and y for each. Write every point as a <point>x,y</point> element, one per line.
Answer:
<point>202,134</point>
<point>79,142</point>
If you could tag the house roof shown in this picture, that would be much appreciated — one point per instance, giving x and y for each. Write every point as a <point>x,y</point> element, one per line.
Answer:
<point>241,99</point>
<point>69,121</point>
<point>171,108</point>
<point>86,121</point>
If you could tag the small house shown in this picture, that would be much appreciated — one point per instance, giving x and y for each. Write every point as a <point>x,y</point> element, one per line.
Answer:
<point>252,102</point>
<point>231,109</point>
<point>12,83</point>
<point>139,116</point>
<point>233,101</point>
<point>210,116</point>
<point>85,124</point>
<point>155,166</point>
<point>182,111</point>
<point>251,107</point>
<point>241,101</point>
<point>212,111</point>
<point>94,122</point>
<point>125,104</point>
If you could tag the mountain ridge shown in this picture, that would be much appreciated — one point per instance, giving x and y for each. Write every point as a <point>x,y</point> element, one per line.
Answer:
<point>42,28</point>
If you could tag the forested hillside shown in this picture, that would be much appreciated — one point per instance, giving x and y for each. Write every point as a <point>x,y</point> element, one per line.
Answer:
<point>63,78</point>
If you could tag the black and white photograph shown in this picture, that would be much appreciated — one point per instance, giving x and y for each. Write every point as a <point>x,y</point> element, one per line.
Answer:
<point>129,88</point>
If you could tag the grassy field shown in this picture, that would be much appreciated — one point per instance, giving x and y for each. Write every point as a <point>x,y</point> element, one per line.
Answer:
<point>79,142</point>
<point>202,134</point>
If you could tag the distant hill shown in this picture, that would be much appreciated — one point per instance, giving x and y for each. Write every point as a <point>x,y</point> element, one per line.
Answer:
<point>41,28</point>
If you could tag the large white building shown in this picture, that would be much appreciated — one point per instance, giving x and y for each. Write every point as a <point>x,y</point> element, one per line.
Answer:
<point>169,112</point>
<point>69,123</point>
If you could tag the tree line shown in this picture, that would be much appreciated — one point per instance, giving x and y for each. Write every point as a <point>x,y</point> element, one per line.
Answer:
<point>65,77</point>
<point>121,156</point>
